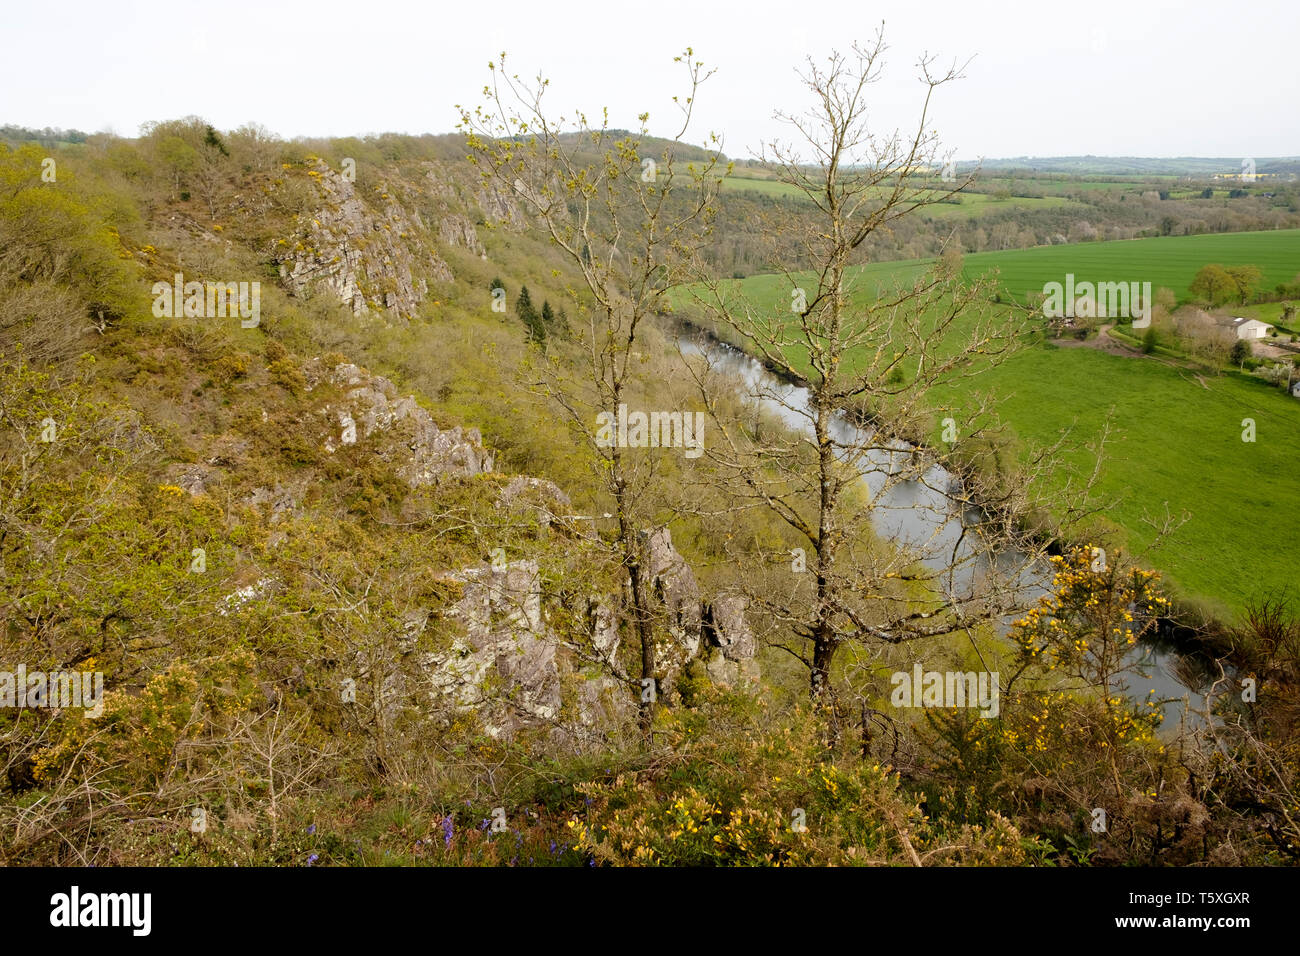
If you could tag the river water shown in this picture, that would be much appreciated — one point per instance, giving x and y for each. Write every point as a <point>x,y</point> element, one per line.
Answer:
<point>916,505</point>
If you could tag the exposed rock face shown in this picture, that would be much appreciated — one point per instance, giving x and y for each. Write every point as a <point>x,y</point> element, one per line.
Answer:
<point>670,582</point>
<point>194,478</point>
<point>376,252</point>
<point>506,638</point>
<point>510,667</point>
<point>363,257</point>
<point>715,632</point>
<point>426,452</point>
<point>726,629</point>
<point>458,231</point>
<point>281,500</point>
<point>604,630</point>
<point>500,207</point>
<point>543,498</point>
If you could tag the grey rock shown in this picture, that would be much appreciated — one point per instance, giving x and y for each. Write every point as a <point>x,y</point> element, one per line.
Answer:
<point>424,453</point>
<point>363,254</point>
<point>726,627</point>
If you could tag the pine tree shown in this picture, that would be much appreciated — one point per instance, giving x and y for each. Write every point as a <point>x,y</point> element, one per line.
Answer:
<point>524,307</point>
<point>533,321</point>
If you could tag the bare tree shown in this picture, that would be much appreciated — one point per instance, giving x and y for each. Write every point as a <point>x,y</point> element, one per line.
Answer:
<point>873,363</point>
<point>628,222</point>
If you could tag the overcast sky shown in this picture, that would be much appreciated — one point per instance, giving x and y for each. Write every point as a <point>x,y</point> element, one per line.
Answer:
<point>1111,77</point>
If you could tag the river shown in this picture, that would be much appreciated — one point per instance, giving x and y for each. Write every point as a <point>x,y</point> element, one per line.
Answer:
<point>915,507</point>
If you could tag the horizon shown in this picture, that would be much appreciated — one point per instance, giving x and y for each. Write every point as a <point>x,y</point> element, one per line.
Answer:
<point>971,161</point>
<point>1115,91</point>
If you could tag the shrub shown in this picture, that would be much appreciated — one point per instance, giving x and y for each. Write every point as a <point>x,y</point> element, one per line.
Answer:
<point>286,374</point>
<point>232,366</point>
<point>274,350</point>
<point>731,791</point>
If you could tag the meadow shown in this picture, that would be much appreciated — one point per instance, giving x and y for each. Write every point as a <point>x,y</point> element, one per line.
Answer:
<point>966,204</point>
<point>1169,261</point>
<point>1176,438</point>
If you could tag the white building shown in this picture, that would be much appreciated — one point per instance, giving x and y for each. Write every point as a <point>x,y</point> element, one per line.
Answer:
<point>1246,328</point>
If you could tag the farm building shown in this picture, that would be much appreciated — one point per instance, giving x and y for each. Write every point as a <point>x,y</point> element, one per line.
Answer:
<point>1295,389</point>
<point>1245,328</point>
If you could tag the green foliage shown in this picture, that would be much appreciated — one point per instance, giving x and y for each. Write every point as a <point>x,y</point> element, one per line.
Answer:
<point>738,787</point>
<point>533,321</point>
<point>65,267</point>
<point>223,684</point>
<point>286,373</point>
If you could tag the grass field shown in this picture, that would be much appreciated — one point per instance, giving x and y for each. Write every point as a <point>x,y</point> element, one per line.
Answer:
<point>1060,187</point>
<point>969,204</point>
<point>1170,261</point>
<point>1178,440</point>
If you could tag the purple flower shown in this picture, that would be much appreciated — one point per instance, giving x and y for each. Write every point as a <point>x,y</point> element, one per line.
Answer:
<point>485,824</point>
<point>311,829</point>
<point>312,859</point>
<point>552,846</point>
<point>446,830</point>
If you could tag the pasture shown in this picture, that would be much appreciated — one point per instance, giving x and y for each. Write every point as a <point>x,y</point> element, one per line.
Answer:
<point>1177,437</point>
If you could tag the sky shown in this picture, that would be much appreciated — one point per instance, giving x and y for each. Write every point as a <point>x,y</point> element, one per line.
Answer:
<point>1107,78</point>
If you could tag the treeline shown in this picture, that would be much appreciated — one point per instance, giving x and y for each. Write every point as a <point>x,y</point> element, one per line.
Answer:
<point>47,135</point>
<point>742,243</point>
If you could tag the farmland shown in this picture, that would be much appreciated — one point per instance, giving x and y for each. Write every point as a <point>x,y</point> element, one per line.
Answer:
<point>970,203</point>
<point>1169,261</point>
<point>1177,436</point>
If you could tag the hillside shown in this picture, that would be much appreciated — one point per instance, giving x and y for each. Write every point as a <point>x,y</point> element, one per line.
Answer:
<point>284,465</point>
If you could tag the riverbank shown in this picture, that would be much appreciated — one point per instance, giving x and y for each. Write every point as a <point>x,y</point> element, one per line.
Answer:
<point>1191,630</point>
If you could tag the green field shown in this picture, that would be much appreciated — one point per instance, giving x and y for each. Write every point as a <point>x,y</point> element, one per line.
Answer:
<point>966,204</point>
<point>1169,261</point>
<point>1179,443</point>
<point>1177,440</point>
<point>1060,187</point>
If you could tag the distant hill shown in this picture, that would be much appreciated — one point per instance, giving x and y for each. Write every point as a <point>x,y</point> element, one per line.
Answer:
<point>1194,166</point>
